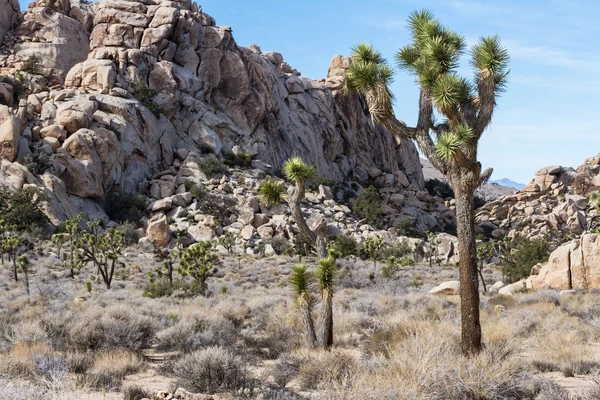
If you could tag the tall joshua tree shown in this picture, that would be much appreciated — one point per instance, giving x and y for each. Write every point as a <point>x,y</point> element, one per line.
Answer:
<point>296,170</point>
<point>301,282</point>
<point>325,274</point>
<point>451,146</point>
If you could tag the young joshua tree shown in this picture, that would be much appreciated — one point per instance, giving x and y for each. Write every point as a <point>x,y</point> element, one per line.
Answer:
<point>301,282</point>
<point>296,170</point>
<point>325,274</point>
<point>451,146</point>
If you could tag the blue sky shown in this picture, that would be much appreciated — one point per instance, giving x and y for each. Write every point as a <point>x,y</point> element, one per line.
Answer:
<point>549,114</point>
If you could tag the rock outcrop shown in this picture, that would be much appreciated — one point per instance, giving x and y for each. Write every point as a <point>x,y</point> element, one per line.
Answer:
<point>53,32</point>
<point>146,84</point>
<point>9,14</point>
<point>551,206</point>
<point>574,265</point>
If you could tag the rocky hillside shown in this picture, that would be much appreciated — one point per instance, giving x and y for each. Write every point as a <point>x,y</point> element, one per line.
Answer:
<point>554,204</point>
<point>116,92</point>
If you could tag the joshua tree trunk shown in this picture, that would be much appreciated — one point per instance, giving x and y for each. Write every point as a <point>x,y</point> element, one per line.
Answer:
<point>294,200</point>
<point>309,327</point>
<point>481,275</point>
<point>15,274</point>
<point>327,323</point>
<point>467,248</point>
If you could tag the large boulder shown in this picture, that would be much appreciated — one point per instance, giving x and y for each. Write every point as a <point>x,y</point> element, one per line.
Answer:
<point>10,131</point>
<point>92,161</point>
<point>449,288</point>
<point>158,230</point>
<point>574,265</point>
<point>9,13</point>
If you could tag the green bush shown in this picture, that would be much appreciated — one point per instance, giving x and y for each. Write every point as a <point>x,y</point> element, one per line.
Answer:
<point>436,187</point>
<point>125,207</point>
<point>210,165</point>
<point>303,246</point>
<point>408,228</point>
<point>242,160</point>
<point>368,207</point>
<point>130,234</point>
<point>345,245</point>
<point>31,65</point>
<point>523,255</point>
<point>145,95</point>
<point>38,162</point>
<point>22,208</point>
<point>398,250</point>
<point>279,244</point>
<point>221,207</point>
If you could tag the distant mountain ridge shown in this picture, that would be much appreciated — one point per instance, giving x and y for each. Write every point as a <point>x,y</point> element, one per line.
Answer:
<point>509,183</point>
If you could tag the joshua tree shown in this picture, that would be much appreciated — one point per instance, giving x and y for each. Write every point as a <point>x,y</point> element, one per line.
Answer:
<point>325,274</point>
<point>228,241</point>
<point>10,246</point>
<point>104,250</point>
<point>301,282</point>
<point>484,250</point>
<point>295,169</point>
<point>373,246</point>
<point>451,146</point>
<point>23,263</point>
<point>197,262</point>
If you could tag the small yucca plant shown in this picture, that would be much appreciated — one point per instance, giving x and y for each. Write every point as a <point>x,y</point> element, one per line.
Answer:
<point>301,282</point>
<point>272,192</point>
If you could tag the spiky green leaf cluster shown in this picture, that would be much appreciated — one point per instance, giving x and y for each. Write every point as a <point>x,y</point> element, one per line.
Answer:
<point>490,60</point>
<point>368,70</point>
<point>325,272</point>
<point>449,143</point>
<point>271,192</point>
<point>295,169</point>
<point>301,282</point>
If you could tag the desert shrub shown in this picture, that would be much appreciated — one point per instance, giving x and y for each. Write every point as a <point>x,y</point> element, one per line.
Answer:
<point>135,393</point>
<point>145,95</point>
<point>345,245</point>
<point>324,369</point>
<point>21,359</point>
<point>125,207</point>
<point>524,254</point>
<point>280,244</point>
<point>397,250</point>
<point>368,207</point>
<point>439,188</point>
<point>583,182</point>
<point>303,246</point>
<point>549,390</point>
<point>117,327</point>
<point>285,368</point>
<point>13,391</point>
<point>78,362</point>
<point>242,160</point>
<point>158,288</point>
<point>51,370</point>
<point>31,65</point>
<point>221,207</point>
<point>130,233</point>
<point>196,332</point>
<point>111,367</point>
<point>22,208</point>
<point>210,165</point>
<point>209,370</point>
<point>408,228</point>
<point>37,162</point>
